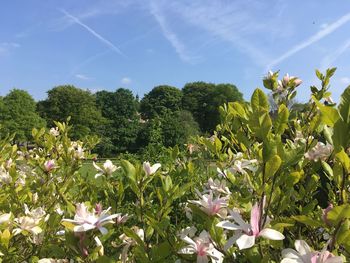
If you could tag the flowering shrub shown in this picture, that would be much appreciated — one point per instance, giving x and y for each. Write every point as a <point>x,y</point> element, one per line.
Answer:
<point>265,182</point>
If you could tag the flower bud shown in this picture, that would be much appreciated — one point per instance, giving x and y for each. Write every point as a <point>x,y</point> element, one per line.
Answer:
<point>325,213</point>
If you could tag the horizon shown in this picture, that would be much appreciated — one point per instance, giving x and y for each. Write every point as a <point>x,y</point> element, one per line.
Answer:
<point>134,44</point>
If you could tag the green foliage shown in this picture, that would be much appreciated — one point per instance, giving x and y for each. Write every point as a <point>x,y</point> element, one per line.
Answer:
<point>80,105</point>
<point>18,115</point>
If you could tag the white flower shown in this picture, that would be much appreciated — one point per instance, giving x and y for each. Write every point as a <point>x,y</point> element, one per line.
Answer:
<point>247,233</point>
<point>86,220</point>
<point>107,169</point>
<point>149,170</point>
<point>5,177</point>
<point>26,223</point>
<point>240,166</point>
<point>5,218</point>
<point>203,247</point>
<point>128,242</point>
<point>189,231</point>
<point>319,152</point>
<point>303,254</point>
<point>54,131</point>
<point>49,165</point>
<point>37,214</point>
<point>218,186</point>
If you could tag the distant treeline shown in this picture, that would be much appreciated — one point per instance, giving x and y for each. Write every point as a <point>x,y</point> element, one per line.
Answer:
<point>166,116</point>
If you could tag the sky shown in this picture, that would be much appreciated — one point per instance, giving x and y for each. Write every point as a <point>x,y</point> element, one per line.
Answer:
<point>139,44</point>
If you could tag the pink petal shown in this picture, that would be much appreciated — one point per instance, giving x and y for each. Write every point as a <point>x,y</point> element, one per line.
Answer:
<point>255,219</point>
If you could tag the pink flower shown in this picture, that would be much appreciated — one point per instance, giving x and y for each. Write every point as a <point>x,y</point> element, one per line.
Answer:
<point>303,254</point>
<point>247,233</point>
<point>49,165</point>
<point>203,247</point>
<point>212,206</point>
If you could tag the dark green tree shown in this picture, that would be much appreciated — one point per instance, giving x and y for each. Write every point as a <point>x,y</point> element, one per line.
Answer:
<point>18,115</point>
<point>204,99</point>
<point>160,100</point>
<point>121,129</point>
<point>80,105</point>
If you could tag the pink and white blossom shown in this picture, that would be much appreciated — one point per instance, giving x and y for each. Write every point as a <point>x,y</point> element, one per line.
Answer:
<point>247,233</point>
<point>304,254</point>
<point>203,247</point>
<point>210,205</point>
<point>320,151</point>
<point>107,169</point>
<point>49,165</point>
<point>85,220</point>
<point>149,170</point>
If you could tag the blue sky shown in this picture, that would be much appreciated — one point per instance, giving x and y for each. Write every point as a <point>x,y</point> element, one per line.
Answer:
<point>138,44</point>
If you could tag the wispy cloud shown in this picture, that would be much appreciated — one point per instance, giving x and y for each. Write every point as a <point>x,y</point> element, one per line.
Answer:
<point>345,80</point>
<point>82,77</point>
<point>327,29</point>
<point>125,81</point>
<point>226,21</point>
<point>328,60</point>
<point>94,33</point>
<point>174,40</point>
<point>6,47</point>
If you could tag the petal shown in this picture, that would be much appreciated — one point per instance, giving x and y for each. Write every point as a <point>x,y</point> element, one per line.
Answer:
<point>245,241</point>
<point>290,253</point>
<point>83,228</point>
<point>334,260</point>
<point>189,241</point>
<point>36,230</point>
<point>271,234</point>
<point>290,260</point>
<point>155,167</point>
<point>103,230</point>
<point>187,250</point>
<point>228,225</point>
<point>230,242</point>
<point>302,247</point>
<point>215,255</point>
<point>202,259</point>
<point>255,219</point>
<point>97,167</point>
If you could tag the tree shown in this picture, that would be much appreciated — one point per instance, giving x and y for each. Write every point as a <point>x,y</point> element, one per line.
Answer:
<point>18,115</point>
<point>160,100</point>
<point>80,105</point>
<point>204,99</point>
<point>121,129</point>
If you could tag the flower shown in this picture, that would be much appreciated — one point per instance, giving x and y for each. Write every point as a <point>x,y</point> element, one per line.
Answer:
<point>203,247</point>
<point>85,220</point>
<point>107,169</point>
<point>210,205</point>
<point>36,214</point>
<point>5,218</point>
<point>247,233</point>
<point>240,166</point>
<point>54,131</point>
<point>218,186</point>
<point>128,242</point>
<point>149,170</point>
<point>325,213</point>
<point>27,223</point>
<point>49,165</point>
<point>319,152</point>
<point>303,254</point>
<point>5,177</point>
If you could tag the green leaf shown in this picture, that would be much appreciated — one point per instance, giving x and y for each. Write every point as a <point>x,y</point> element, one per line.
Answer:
<point>341,135</point>
<point>129,169</point>
<point>338,213</point>
<point>282,119</point>
<point>307,221</point>
<point>319,74</point>
<point>272,166</point>
<point>344,105</point>
<point>105,259</point>
<point>327,168</point>
<point>259,100</point>
<point>329,115</point>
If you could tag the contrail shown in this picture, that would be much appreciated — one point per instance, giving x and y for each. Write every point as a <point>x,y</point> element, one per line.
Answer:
<point>313,39</point>
<point>93,32</point>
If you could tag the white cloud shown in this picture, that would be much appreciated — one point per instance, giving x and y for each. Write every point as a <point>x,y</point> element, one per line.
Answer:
<point>125,81</point>
<point>345,80</point>
<point>6,47</point>
<point>93,32</point>
<point>82,77</point>
<point>328,60</point>
<point>174,40</point>
<point>311,40</point>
